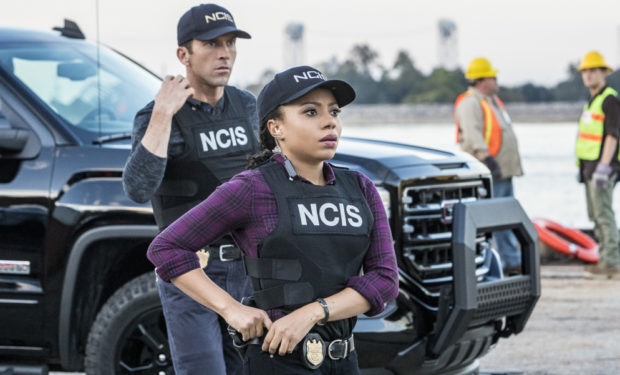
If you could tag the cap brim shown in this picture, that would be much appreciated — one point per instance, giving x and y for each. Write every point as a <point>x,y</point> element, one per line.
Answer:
<point>343,92</point>
<point>581,68</point>
<point>212,34</point>
<point>491,74</point>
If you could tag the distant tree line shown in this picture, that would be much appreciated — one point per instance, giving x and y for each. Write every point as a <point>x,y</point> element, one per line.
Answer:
<point>404,83</point>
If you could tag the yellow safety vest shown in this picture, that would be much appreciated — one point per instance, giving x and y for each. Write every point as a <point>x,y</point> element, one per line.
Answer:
<point>590,137</point>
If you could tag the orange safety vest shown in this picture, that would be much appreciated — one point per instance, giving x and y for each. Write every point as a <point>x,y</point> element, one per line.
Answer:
<point>492,129</point>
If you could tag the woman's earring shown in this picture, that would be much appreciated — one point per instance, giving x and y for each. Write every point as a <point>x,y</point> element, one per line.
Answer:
<point>277,137</point>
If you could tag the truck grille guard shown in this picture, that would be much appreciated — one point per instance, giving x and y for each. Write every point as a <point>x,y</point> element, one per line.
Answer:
<point>469,302</point>
<point>428,211</point>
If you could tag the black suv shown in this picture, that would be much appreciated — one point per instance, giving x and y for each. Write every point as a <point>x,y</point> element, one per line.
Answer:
<point>76,290</point>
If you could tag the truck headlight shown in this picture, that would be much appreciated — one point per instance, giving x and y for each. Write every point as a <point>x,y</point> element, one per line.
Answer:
<point>385,198</point>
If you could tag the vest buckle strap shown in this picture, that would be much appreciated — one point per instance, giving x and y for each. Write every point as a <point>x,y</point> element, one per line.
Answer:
<point>269,268</point>
<point>288,295</point>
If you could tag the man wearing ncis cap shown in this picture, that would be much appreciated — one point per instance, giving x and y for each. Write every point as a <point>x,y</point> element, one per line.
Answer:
<point>196,134</point>
<point>597,151</point>
<point>484,129</point>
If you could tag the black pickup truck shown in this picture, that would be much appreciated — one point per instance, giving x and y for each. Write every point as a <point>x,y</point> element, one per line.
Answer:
<point>76,290</point>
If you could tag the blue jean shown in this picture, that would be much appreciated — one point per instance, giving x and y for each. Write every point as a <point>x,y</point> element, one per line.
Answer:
<point>199,342</point>
<point>505,240</point>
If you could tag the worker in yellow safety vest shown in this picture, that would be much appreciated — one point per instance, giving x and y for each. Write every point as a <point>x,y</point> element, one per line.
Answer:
<point>597,151</point>
<point>484,129</point>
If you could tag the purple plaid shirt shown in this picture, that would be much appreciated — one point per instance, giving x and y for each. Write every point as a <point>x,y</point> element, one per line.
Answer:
<point>246,208</point>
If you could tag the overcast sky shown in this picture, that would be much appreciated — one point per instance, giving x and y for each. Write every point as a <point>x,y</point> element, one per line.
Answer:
<point>527,40</point>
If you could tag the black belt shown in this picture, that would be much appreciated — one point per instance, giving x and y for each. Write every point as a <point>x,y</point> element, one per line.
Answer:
<point>225,252</point>
<point>313,348</point>
<point>340,348</point>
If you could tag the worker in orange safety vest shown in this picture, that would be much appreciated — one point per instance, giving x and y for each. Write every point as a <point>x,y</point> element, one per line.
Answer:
<point>484,129</point>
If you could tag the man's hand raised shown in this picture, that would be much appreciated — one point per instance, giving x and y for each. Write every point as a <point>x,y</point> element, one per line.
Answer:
<point>172,95</point>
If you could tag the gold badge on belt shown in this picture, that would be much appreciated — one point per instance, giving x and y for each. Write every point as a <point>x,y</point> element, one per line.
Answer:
<point>203,257</point>
<point>313,351</point>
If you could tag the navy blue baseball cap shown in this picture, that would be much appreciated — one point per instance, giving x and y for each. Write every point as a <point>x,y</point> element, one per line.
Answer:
<point>296,82</point>
<point>206,22</point>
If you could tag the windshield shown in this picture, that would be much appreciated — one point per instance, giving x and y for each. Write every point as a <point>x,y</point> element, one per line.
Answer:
<point>64,76</point>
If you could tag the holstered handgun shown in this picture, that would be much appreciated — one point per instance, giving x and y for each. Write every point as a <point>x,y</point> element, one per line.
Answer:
<point>237,338</point>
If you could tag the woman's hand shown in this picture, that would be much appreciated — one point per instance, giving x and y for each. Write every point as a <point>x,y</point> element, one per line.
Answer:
<point>289,330</point>
<point>248,321</point>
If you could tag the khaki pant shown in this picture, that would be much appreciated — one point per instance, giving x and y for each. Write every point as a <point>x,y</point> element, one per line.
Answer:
<point>600,210</point>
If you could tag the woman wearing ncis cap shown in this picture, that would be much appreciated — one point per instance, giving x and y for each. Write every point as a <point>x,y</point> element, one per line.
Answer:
<point>306,227</point>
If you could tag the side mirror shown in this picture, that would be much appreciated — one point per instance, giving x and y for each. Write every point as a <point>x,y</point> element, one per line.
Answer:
<point>13,140</point>
<point>76,71</point>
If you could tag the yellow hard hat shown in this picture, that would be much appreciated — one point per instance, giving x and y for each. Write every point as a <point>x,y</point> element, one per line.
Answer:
<point>591,60</point>
<point>480,68</point>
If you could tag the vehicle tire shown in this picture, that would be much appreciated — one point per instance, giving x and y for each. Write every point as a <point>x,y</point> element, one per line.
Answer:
<point>129,334</point>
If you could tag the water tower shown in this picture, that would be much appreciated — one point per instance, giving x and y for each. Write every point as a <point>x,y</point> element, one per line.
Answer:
<point>294,45</point>
<point>617,62</point>
<point>448,45</point>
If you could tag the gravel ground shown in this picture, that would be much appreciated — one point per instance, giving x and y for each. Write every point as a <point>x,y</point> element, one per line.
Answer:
<point>574,329</point>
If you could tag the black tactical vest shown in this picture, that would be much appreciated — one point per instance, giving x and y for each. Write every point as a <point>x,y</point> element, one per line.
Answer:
<point>216,148</point>
<point>320,241</point>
